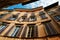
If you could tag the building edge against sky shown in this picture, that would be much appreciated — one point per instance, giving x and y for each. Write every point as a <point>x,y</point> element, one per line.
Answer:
<point>33,5</point>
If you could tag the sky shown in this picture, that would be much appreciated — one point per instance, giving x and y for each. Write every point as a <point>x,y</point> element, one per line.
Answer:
<point>38,3</point>
<point>59,2</point>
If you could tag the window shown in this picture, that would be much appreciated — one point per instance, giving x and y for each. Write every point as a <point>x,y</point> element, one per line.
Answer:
<point>43,16</point>
<point>49,28</point>
<point>57,17</point>
<point>32,31</point>
<point>19,32</point>
<point>32,18</point>
<point>25,14</point>
<point>13,17</point>
<point>2,15</point>
<point>41,13</point>
<point>3,26</point>
<point>51,13</point>
<point>15,32</point>
<point>58,10</point>
<point>23,18</point>
<point>24,33</point>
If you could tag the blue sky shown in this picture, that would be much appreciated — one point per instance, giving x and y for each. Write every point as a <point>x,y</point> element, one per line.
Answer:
<point>38,3</point>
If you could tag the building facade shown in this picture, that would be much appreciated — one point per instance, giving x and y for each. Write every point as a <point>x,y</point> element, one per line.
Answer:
<point>29,24</point>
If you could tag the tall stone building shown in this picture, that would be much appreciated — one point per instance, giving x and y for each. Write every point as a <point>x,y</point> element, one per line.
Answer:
<point>30,24</point>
